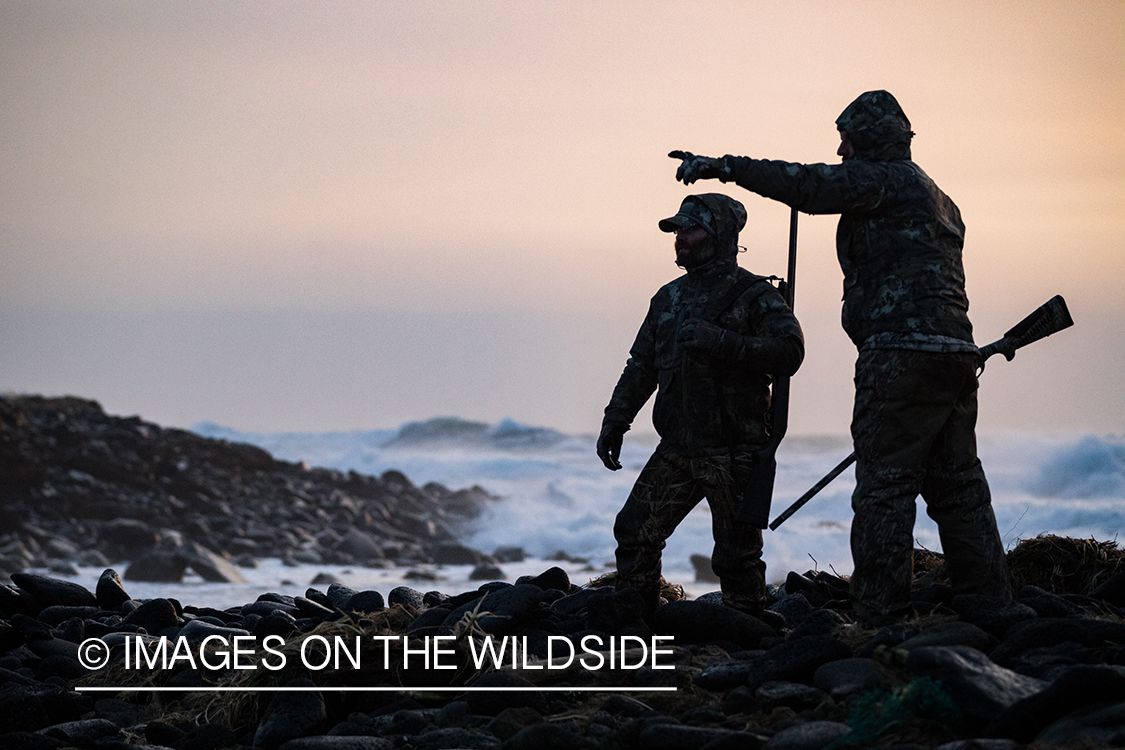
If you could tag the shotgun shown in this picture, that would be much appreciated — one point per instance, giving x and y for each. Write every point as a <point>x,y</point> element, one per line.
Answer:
<point>1051,317</point>
<point>758,493</point>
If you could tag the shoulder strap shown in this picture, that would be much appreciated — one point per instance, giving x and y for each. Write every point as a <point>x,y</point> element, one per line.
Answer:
<point>739,288</point>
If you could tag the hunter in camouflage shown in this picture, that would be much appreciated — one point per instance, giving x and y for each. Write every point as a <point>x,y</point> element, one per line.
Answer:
<point>707,347</point>
<point>899,243</point>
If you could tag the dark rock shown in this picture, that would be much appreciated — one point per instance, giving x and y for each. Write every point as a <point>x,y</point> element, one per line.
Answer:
<point>290,715</point>
<point>573,603</point>
<point>1050,631</point>
<point>50,591</point>
<point>511,720</point>
<point>207,737</point>
<point>31,741</point>
<point>128,538</point>
<point>327,742</point>
<point>339,595</point>
<point>952,634</point>
<point>46,648</point>
<point>455,554</point>
<point>31,627</point>
<point>197,630</point>
<point>160,733</point>
<point>724,674</point>
<point>1051,605</point>
<point>110,592</point>
<point>157,566</point>
<point>700,622</point>
<point>546,736</point>
<point>795,660</point>
<point>359,545</point>
<point>487,571</point>
<point>58,614</point>
<point>266,607</point>
<point>992,614</point>
<point>1078,687</point>
<point>492,703</point>
<point>979,744</point>
<point>673,737</point>
<point>428,623</point>
<point>793,608</point>
<point>366,601</point>
<point>499,612</point>
<point>309,608</point>
<point>154,615</point>
<point>84,732</point>
<point>890,636</point>
<point>1049,662</point>
<point>436,599</point>
<point>846,677</point>
<point>62,665</point>
<point>1097,726</point>
<point>552,578</point>
<point>455,737</point>
<point>820,623</point>
<point>812,735</point>
<point>794,695</point>
<point>406,596</point>
<point>121,713</point>
<point>980,688</point>
<point>509,555</point>
<point>209,565</point>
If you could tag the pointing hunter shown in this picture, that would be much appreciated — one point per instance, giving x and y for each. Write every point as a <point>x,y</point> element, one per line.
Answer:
<point>708,346</point>
<point>899,244</point>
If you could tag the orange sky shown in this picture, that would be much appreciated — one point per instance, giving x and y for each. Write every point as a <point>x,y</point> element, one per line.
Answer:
<point>470,191</point>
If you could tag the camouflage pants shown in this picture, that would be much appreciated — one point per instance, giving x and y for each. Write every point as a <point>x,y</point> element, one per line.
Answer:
<point>913,429</point>
<point>669,486</point>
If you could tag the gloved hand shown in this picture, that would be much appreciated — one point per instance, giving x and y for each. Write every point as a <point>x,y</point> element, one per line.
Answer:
<point>609,444</point>
<point>699,167</point>
<point>699,334</point>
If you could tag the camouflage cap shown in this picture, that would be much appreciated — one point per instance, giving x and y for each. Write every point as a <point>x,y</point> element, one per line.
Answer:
<point>712,211</point>
<point>692,212</point>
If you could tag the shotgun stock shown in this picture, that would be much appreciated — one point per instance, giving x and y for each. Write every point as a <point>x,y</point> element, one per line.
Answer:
<point>1050,317</point>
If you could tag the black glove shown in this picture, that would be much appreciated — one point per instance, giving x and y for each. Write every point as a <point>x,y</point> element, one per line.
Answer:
<point>609,444</point>
<point>699,167</point>
<point>699,334</point>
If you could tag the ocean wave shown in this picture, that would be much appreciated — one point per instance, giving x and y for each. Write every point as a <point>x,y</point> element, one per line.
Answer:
<point>1089,468</point>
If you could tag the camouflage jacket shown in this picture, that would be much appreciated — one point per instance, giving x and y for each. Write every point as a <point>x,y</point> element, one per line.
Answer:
<point>708,403</point>
<point>899,245</point>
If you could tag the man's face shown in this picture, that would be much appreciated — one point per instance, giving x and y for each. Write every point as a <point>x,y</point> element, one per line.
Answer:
<point>694,246</point>
<point>846,150</point>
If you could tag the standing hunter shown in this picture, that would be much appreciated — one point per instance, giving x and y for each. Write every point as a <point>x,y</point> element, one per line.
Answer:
<point>708,346</point>
<point>899,244</point>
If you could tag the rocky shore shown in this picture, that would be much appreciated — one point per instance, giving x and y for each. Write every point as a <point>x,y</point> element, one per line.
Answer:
<point>541,663</point>
<point>1047,670</point>
<point>78,486</point>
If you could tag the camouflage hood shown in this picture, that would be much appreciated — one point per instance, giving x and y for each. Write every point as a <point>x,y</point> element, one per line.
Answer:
<point>877,127</point>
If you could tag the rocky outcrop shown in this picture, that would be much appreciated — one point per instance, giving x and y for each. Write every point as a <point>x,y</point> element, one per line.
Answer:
<point>80,486</point>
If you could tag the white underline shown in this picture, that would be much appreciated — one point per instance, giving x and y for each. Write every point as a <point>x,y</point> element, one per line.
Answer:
<point>375,689</point>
